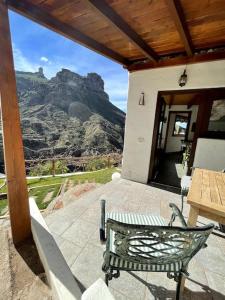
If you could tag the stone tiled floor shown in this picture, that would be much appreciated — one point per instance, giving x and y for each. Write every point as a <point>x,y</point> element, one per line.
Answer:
<point>75,229</point>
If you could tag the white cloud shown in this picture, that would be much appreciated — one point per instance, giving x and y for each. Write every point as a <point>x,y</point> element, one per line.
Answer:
<point>21,62</point>
<point>44,59</point>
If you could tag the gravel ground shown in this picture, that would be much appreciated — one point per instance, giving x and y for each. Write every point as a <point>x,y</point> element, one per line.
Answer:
<point>22,275</point>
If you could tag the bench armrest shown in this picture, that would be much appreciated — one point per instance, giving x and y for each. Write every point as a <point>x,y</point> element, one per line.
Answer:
<point>176,213</point>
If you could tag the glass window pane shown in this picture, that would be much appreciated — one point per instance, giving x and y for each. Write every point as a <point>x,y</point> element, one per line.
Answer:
<point>180,125</point>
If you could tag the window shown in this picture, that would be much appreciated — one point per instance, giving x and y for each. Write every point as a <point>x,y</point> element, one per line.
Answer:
<point>180,125</point>
<point>217,117</point>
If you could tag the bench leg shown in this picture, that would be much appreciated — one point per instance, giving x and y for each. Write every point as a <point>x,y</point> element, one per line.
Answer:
<point>182,203</point>
<point>107,279</point>
<point>102,235</point>
<point>110,275</point>
<point>179,290</point>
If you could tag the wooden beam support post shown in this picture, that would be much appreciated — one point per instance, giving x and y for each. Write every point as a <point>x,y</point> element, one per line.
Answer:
<point>179,20</point>
<point>176,61</point>
<point>110,15</point>
<point>40,16</point>
<point>12,136</point>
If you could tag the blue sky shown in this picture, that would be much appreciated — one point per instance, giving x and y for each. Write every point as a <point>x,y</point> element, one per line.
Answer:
<point>35,46</point>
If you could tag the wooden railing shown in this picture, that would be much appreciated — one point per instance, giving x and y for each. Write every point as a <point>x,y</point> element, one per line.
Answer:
<point>77,163</point>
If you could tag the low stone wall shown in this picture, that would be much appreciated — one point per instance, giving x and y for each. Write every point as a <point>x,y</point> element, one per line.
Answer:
<point>58,273</point>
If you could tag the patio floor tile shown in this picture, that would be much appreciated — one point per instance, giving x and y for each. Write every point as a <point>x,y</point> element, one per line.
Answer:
<point>213,260</point>
<point>87,267</point>
<point>80,232</point>
<point>76,228</point>
<point>160,287</point>
<point>70,251</point>
<point>217,285</point>
<point>117,295</point>
<point>60,224</point>
<point>131,285</point>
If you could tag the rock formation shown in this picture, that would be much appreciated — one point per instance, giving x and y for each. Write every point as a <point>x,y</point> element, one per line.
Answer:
<point>67,115</point>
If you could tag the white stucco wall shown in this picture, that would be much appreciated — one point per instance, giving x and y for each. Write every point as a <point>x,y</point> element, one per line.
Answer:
<point>140,119</point>
<point>210,154</point>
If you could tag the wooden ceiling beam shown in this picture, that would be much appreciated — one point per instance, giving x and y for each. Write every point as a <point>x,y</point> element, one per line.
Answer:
<point>40,16</point>
<point>177,14</point>
<point>110,15</point>
<point>182,60</point>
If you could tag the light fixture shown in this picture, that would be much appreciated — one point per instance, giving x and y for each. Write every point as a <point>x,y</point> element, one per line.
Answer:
<point>183,79</point>
<point>142,99</point>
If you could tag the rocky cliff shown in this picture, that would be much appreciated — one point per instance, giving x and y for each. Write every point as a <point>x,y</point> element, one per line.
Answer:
<point>68,114</point>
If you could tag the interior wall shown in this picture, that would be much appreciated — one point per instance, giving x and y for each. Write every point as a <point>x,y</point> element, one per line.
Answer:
<point>140,118</point>
<point>174,142</point>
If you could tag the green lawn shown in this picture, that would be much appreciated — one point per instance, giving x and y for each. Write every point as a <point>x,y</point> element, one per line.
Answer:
<point>39,193</point>
<point>3,204</point>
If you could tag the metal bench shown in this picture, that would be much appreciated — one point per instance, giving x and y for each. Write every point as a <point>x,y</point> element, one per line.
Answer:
<point>137,242</point>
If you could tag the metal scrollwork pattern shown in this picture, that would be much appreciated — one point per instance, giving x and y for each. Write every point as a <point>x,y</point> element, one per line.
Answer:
<point>155,244</point>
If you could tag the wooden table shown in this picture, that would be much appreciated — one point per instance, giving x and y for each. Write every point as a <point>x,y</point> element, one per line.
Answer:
<point>206,196</point>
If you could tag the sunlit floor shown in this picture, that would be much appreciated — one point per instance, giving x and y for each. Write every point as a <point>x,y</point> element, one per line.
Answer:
<point>76,231</point>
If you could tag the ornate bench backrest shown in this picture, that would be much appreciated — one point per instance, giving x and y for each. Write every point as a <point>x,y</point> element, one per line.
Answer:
<point>155,244</point>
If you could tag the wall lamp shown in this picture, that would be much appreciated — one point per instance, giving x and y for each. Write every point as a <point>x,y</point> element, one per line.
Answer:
<point>142,99</point>
<point>183,79</point>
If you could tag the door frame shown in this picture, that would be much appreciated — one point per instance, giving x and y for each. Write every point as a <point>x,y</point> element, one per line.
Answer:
<point>202,120</point>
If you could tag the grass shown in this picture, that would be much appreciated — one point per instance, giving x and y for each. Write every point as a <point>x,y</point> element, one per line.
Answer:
<point>3,204</point>
<point>40,193</point>
<point>43,188</point>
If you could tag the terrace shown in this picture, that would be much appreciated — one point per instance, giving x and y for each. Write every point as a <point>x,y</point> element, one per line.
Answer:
<point>76,231</point>
<point>155,41</point>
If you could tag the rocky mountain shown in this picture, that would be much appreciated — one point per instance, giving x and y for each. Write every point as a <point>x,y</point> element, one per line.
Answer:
<point>68,114</point>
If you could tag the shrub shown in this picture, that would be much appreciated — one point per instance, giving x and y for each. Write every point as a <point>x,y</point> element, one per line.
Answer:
<point>46,168</point>
<point>97,164</point>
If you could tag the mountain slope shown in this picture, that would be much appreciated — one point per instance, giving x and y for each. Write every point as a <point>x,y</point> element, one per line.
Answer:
<point>68,114</point>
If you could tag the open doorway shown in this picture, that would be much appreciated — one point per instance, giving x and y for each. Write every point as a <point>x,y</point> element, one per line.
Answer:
<point>181,118</point>
<point>176,139</point>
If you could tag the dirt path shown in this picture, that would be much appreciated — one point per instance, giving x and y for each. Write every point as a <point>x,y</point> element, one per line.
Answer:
<point>48,197</point>
<point>5,274</point>
<point>22,276</point>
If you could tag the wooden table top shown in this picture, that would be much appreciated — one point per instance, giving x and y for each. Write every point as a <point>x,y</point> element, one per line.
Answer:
<point>207,191</point>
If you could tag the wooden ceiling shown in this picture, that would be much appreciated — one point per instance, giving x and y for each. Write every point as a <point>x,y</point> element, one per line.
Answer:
<point>192,97</point>
<point>136,33</point>
<point>183,99</point>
